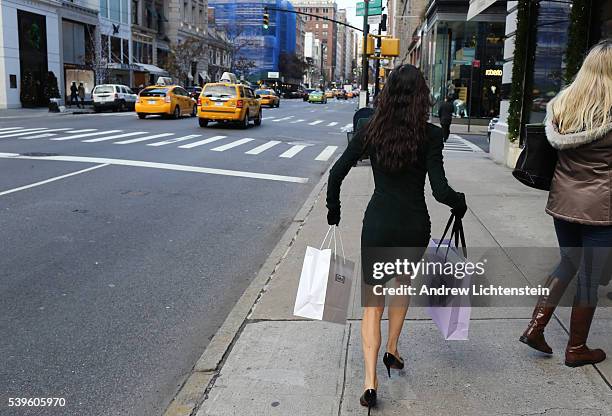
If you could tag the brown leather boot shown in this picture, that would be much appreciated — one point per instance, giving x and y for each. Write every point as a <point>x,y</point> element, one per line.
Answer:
<point>543,311</point>
<point>577,353</point>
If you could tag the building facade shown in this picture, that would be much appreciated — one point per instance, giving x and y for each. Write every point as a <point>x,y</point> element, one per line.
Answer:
<point>325,31</point>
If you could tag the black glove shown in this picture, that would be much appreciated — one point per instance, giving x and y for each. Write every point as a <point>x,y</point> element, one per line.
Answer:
<point>333,215</point>
<point>461,208</point>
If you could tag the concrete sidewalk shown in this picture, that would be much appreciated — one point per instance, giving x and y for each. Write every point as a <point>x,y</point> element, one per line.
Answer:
<point>17,113</point>
<point>278,364</point>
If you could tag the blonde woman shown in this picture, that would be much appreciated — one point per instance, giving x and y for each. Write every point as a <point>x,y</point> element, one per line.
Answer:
<point>579,125</point>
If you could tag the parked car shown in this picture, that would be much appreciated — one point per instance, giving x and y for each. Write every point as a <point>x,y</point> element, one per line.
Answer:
<point>317,97</point>
<point>491,126</point>
<point>268,97</point>
<point>165,100</point>
<point>194,91</point>
<point>113,96</point>
<point>229,102</point>
<point>341,95</point>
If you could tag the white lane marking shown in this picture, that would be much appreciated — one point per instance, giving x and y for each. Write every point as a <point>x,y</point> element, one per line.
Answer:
<point>298,121</point>
<point>283,118</point>
<point>293,150</point>
<point>314,123</point>
<point>38,136</point>
<point>142,139</point>
<point>231,145</point>
<point>268,118</point>
<point>347,127</point>
<point>81,131</point>
<point>38,130</point>
<point>326,153</point>
<point>262,148</point>
<point>175,140</point>
<point>332,124</point>
<point>467,143</point>
<point>202,142</point>
<point>57,178</point>
<point>163,166</point>
<point>78,136</point>
<point>20,133</point>
<point>114,136</point>
<point>10,128</point>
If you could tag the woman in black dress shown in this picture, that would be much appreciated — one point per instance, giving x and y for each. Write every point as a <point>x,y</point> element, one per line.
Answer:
<point>403,147</point>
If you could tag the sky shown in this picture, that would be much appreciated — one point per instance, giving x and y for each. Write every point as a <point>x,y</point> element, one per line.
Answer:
<point>349,5</point>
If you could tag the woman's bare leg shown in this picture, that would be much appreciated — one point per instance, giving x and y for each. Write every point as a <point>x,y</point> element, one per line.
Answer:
<point>370,342</point>
<point>397,315</point>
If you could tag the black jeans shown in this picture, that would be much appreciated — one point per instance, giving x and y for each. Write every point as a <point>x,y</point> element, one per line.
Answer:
<point>586,250</point>
<point>445,130</point>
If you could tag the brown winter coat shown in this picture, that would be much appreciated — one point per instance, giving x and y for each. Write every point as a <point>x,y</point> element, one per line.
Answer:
<point>581,188</point>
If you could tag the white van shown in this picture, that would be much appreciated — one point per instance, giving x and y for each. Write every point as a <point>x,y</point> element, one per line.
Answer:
<point>113,96</point>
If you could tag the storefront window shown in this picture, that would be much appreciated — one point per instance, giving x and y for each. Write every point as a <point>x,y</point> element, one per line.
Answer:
<point>549,67</point>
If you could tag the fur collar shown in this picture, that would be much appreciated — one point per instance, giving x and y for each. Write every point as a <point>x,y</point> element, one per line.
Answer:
<point>572,140</point>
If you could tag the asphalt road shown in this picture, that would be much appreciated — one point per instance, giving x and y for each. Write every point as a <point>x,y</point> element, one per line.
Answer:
<point>114,278</point>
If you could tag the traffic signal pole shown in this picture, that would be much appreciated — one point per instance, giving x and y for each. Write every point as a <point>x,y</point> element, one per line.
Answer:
<point>364,93</point>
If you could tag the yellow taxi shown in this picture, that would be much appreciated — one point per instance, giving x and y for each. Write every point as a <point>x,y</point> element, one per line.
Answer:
<point>329,94</point>
<point>268,97</point>
<point>228,102</point>
<point>165,100</point>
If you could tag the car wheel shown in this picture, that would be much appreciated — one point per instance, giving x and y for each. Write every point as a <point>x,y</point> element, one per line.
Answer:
<point>244,124</point>
<point>177,113</point>
<point>258,119</point>
<point>278,104</point>
<point>141,116</point>
<point>121,106</point>
<point>97,109</point>
<point>203,122</point>
<point>194,112</point>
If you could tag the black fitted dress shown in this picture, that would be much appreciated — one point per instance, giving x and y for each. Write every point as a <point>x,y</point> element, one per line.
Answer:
<point>397,214</point>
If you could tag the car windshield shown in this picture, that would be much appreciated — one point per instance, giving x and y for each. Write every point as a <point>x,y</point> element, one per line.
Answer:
<point>263,92</point>
<point>104,89</point>
<point>219,91</point>
<point>154,92</point>
<point>316,93</point>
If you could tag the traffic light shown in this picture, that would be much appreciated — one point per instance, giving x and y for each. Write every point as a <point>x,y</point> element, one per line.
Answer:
<point>390,47</point>
<point>369,49</point>
<point>266,19</point>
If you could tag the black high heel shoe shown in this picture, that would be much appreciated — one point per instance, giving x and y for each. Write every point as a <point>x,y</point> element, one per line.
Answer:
<point>391,361</point>
<point>368,399</point>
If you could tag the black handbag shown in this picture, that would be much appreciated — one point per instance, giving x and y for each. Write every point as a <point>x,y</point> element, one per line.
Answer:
<point>536,163</point>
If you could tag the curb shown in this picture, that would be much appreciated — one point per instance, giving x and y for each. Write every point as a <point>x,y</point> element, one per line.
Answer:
<point>192,392</point>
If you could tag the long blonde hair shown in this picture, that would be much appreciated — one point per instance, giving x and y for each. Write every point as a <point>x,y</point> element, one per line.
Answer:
<point>586,103</point>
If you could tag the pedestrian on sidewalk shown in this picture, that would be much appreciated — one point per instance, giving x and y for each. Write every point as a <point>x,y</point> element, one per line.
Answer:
<point>579,125</point>
<point>445,113</point>
<point>82,94</point>
<point>74,98</point>
<point>403,149</point>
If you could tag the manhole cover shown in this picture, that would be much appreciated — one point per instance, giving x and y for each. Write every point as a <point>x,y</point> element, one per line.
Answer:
<point>39,154</point>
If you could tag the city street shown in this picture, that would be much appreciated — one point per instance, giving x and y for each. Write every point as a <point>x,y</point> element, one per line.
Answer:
<point>115,278</point>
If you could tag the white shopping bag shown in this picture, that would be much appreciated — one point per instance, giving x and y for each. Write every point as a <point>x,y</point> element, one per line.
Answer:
<point>325,284</point>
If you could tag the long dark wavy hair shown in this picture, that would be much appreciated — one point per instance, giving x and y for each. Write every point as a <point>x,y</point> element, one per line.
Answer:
<point>399,124</point>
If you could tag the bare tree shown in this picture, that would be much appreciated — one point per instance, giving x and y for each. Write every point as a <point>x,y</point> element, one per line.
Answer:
<point>239,40</point>
<point>182,56</point>
<point>97,55</point>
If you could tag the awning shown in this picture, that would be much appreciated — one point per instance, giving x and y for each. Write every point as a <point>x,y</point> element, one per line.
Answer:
<point>152,69</point>
<point>477,7</point>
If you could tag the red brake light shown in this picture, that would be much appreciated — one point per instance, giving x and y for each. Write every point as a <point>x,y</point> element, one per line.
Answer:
<point>116,96</point>
<point>239,103</point>
<point>199,101</point>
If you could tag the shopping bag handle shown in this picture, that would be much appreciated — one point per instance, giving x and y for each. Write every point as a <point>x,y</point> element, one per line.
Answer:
<point>457,234</point>
<point>332,237</point>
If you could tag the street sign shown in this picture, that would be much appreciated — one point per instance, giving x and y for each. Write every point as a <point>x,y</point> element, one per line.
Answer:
<point>375,20</point>
<point>273,75</point>
<point>374,8</point>
<point>476,63</point>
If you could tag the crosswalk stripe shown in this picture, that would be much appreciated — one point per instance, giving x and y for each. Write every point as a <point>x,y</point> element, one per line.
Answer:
<point>326,153</point>
<point>21,132</point>
<point>283,118</point>
<point>81,131</point>
<point>314,123</point>
<point>8,134</point>
<point>174,140</point>
<point>142,139</point>
<point>114,136</point>
<point>202,142</point>
<point>38,136</point>
<point>232,145</point>
<point>262,148</point>
<point>298,121</point>
<point>78,136</point>
<point>294,150</point>
<point>269,118</point>
<point>332,124</point>
<point>348,126</point>
<point>10,128</point>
